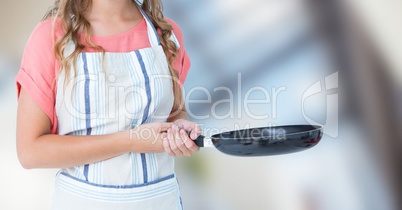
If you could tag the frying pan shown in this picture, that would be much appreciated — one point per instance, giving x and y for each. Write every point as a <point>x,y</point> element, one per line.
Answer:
<point>264,141</point>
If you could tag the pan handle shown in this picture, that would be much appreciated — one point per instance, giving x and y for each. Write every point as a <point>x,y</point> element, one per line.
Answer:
<point>199,141</point>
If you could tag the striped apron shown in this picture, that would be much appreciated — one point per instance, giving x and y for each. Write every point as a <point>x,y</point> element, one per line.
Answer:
<point>107,94</point>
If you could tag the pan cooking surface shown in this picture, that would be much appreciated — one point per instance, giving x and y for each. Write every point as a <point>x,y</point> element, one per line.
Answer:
<point>268,140</point>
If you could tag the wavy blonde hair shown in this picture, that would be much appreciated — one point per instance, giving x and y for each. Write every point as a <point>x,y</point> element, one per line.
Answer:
<point>67,10</point>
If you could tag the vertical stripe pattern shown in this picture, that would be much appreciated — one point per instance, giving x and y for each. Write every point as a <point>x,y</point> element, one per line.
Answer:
<point>146,110</point>
<point>87,107</point>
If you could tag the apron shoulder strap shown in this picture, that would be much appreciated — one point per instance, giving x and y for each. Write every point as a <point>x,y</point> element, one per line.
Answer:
<point>174,39</point>
<point>152,33</point>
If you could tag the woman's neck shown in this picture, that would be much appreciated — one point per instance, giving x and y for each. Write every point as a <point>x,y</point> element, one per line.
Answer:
<point>111,17</point>
<point>112,10</point>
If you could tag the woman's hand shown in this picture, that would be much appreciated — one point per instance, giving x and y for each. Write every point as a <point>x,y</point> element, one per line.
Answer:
<point>151,135</point>
<point>178,142</point>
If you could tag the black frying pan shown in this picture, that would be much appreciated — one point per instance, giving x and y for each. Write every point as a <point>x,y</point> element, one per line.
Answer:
<point>264,141</point>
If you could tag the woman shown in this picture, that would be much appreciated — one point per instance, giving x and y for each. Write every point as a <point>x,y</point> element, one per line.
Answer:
<point>99,97</point>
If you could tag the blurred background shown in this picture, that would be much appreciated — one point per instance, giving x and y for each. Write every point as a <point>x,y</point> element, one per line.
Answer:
<point>295,50</point>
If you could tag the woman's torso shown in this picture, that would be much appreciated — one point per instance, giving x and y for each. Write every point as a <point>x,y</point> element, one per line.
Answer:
<point>115,92</point>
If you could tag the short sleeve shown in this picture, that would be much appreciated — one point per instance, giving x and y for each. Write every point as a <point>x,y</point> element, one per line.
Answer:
<point>182,62</point>
<point>37,72</point>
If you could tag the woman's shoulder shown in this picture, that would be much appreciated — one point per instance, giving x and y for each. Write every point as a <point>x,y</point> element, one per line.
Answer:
<point>48,28</point>
<point>176,30</point>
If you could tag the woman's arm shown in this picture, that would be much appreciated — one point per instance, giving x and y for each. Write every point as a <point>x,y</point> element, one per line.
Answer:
<point>37,148</point>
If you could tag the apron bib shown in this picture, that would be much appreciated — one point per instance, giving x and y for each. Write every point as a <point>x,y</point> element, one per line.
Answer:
<point>108,94</point>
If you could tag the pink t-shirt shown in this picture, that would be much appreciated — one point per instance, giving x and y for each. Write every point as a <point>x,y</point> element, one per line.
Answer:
<point>39,67</point>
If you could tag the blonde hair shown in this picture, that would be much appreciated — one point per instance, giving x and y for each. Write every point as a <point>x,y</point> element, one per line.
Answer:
<point>71,13</point>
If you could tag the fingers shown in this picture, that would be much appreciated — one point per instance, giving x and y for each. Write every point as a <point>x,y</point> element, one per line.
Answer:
<point>196,131</point>
<point>192,127</point>
<point>189,143</point>
<point>172,143</point>
<point>178,143</point>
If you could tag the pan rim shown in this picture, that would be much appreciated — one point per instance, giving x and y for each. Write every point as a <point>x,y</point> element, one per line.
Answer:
<point>316,128</point>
